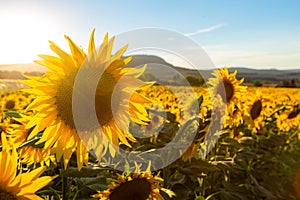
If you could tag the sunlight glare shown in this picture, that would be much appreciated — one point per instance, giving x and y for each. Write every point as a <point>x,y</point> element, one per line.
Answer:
<point>23,36</point>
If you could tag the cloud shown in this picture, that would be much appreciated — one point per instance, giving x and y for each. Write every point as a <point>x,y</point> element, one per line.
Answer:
<point>223,55</point>
<point>205,30</point>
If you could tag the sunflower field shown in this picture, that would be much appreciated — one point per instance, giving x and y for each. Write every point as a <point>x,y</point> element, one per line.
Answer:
<point>52,147</point>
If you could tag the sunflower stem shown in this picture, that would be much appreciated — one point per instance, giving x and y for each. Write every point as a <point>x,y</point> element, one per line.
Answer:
<point>64,178</point>
<point>64,186</point>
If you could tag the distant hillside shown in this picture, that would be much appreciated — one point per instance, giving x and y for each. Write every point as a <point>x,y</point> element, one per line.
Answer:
<point>159,69</point>
<point>266,75</point>
<point>166,71</point>
<point>29,67</point>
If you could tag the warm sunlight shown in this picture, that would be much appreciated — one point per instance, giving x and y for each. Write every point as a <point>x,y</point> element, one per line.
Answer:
<point>23,35</point>
<point>149,100</point>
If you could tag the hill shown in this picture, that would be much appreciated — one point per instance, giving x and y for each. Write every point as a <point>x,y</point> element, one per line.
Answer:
<point>159,69</point>
<point>163,70</point>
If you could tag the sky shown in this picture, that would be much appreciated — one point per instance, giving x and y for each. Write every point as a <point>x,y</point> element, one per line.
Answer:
<point>256,34</point>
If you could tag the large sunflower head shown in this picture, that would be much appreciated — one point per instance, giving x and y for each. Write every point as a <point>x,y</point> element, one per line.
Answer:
<point>139,185</point>
<point>117,100</point>
<point>15,186</point>
<point>227,88</point>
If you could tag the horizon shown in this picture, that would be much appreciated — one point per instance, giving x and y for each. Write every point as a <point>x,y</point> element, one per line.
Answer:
<point>7,67</point>
<point>256,34</point>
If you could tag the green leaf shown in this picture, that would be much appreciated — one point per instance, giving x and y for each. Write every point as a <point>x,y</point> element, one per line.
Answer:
<point>12,114</point>
<point>84,172</point>
<point>98,187</point>
<point>33,141</point>
<point>171,117</point>
<point>194,109</point>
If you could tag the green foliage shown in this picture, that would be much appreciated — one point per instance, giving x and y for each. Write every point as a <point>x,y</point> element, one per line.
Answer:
<point>288,83</point>
<point>257,83</point>
<point>195,80</point>
<point>247,166</point>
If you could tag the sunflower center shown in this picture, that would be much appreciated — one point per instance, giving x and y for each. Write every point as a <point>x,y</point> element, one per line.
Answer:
<point>103,98</point>
<point>64,99</point>
<point>293,114</point>
<point>256,109</point>
<point>137,189</point>
<point>229,90</point>
<point>7,195</point>
<point>10,104</point>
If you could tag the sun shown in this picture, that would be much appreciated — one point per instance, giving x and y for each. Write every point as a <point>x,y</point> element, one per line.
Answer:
<point>27,30</point>
<point>53,105</point>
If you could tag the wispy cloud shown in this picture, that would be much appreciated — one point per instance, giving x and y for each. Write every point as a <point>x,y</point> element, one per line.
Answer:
<point>223,55</point>
<point>226,55</point>
<point>205,30</point>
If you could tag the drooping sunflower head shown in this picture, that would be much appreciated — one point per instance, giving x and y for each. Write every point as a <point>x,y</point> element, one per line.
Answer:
<point>226,87</point>
<point>235,118</point>
<point>101,85</point>
<point>139,185</point>
<point>28,154</point>
<point>289,118</point>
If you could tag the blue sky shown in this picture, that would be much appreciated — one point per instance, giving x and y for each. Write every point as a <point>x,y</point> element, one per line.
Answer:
<point>257,34</point>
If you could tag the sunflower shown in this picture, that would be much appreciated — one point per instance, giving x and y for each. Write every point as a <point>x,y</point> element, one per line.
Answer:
<point>164,96</point>
<point>117,100</point>
<point>200,127</point>
<point>9,102</point>
<point>15,186</point>
<point>196,104</point>
<point>14,101</point>
<point>289,118</point>
<point>256,111</point>
<point>142,186</point>
<point>235,118</point>
<point>4,127</point>
<point>28,154</point>
<point>158,120</point>
<point>225,88</point>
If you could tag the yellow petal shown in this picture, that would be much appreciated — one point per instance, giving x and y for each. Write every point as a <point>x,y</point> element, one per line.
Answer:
<point>92,43</point>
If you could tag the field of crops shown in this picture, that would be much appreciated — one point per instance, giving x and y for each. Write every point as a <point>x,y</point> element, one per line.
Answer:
<point>223,141</point>
<point>255,158</point>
